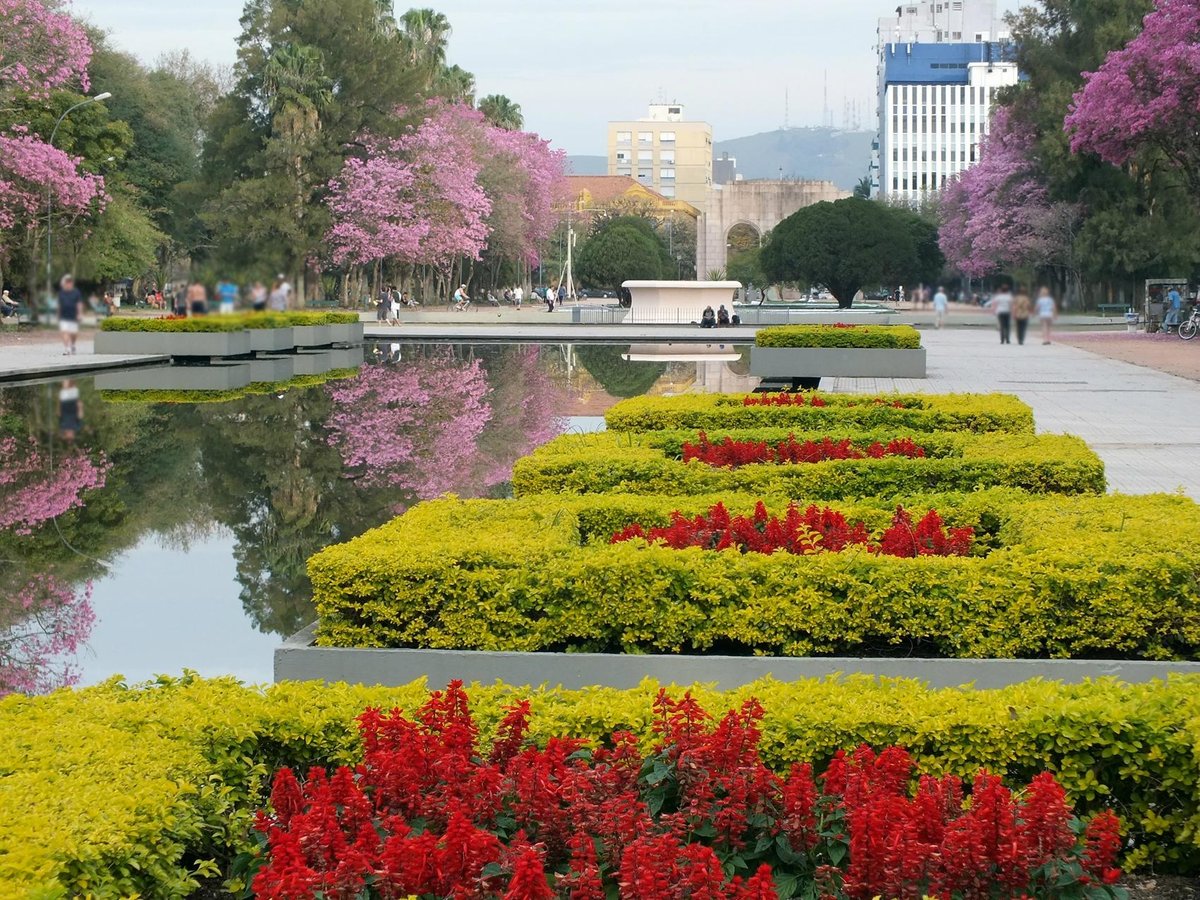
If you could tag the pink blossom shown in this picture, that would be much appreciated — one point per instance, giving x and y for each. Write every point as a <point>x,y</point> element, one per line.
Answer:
<point>28,168</point>
<point>53,622</point>
<point>34,490</point>
<point>1145,95</point>
<point>41,50</point>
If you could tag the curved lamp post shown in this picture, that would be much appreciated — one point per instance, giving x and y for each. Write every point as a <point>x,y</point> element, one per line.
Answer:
<point>50,195</point>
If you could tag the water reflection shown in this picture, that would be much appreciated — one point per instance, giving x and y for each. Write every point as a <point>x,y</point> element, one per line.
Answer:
<point>182,518</point>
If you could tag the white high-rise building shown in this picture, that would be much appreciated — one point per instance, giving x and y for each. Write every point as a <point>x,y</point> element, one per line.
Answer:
<point>941,63</point>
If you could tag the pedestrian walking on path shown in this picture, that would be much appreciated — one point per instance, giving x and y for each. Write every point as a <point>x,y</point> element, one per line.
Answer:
<point>1001,304</point>
<point>69,301</point>
<point>1047,312</point>
<point>1022,309</point>
<point>941,304</point>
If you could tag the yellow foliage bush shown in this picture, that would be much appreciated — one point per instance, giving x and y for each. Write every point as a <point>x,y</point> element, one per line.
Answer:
<point>112,791</point>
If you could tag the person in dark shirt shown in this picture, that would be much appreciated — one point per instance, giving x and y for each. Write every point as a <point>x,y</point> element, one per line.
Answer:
<point>70,410</point>
<point>69,302</point>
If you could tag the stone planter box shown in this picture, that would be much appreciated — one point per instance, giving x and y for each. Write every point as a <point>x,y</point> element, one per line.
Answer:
<point>822,362</point>
<point>312,335</point>
<point>271,340</point>
<point>270,369</point>
<point>174,343</point>
<point>298,660</point>
<point>220,377</point>
<point>349,333</point>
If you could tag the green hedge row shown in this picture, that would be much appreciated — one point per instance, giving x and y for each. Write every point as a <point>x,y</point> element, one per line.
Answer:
<point>651,463</point>
<point>920,412</point>
<point>222,323</point>
<point>875,337</point>
<point>1056,576</point>
<point>112,791</point>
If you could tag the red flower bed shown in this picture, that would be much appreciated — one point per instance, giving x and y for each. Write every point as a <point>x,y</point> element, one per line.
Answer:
<point>696,815</point>
<point>744,453</point>
<point>811,531</point>
<point>815,400</point>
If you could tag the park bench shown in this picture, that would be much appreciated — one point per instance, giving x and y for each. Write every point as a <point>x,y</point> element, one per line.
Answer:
<point>1112,309</point>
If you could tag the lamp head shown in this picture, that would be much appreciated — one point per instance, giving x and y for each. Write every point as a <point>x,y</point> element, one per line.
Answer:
<point>103,96</point>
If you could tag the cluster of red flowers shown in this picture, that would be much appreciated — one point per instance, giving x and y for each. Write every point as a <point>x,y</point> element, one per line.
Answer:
<point>798,399</point>
<point>697,815</point>
<point>743,453</point>
<point>810,531</point>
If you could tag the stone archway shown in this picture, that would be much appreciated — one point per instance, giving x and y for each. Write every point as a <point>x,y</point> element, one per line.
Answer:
<point>757,205</point>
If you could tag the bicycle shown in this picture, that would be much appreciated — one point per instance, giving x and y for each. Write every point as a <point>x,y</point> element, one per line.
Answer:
<point>1189,329</point>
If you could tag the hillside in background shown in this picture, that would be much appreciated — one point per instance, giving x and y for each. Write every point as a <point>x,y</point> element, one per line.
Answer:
<point>587,165</point>
<point>821,154</point>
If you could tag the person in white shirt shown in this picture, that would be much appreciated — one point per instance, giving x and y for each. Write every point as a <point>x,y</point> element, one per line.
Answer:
<point>941,303</point>
<point>1047,312</point>
<point>1001,304</point>
<point>518,296</point>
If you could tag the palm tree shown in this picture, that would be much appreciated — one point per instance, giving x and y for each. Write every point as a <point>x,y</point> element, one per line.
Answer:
<point>424,34</point>
<point>502,112</point>
<point>862,190</point>
<point>298,91</point>
<point>456,84</point>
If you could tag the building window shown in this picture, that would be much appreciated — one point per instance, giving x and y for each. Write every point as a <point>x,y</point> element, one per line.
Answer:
<point>666,156</point>
<point>645,156</point>
<point>645,174</point>
<point>666,137</point>
<point>624,137</point>
<point>666,174</point>
<point>668,191</point>
<point>624,170</point>
<point>675,111</point>
<point>895,183</point>
<point>645,137</point>
<point>896,155</point>
<point>622,156</point>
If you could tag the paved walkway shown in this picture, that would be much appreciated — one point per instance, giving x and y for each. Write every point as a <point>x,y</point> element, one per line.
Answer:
<point>43,358</point>
<point>1144,424</point>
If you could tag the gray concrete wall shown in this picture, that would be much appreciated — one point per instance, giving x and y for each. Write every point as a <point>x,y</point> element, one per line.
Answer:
<point>175,343</point>
<point>820,362</point>
<point>298,660</point>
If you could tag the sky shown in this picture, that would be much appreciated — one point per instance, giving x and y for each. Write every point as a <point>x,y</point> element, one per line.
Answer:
<point>573,65</point>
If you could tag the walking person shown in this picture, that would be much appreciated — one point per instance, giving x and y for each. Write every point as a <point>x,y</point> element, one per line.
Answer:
<point>1001,305</point>
<point>1022,309</point>
<point>549,298</point>
<point>179,303</point>
<point>394,301</point>
<point>277,299</point>
<point>383,303</point>
<point>1047,312</point>
<point>1174,310</point>
<point>941,305</point>
<point>197,299</point>
<point>518,295</point>
<point>69,301</point>
<point>258,296</point>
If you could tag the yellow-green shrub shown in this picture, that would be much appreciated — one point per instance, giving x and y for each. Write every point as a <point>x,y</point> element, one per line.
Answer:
<point>922,412</point>
<point>1057,580</point>
<point>236,322</point>
<point>885,337</point>
<point>650,463</point>
<point>113,791</point>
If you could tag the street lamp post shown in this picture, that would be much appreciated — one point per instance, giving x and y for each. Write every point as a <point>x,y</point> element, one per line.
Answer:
<point>49,193</point>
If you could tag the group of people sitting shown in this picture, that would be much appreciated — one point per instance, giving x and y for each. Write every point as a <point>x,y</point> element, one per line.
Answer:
<point>719,319</point>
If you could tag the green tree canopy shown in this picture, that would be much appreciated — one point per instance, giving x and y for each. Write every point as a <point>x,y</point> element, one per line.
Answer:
<point>622,249</point>
<point>851,244</point>
<point>618,376</point>
<point>502,112</point>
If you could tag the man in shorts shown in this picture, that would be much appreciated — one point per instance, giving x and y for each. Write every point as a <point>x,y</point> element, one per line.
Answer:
<point>69,302</point>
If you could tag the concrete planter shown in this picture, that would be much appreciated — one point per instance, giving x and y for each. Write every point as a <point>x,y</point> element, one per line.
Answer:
<point>271,369</point>
<point>175,343</point>
<point>220,377</point>
<point>349,333</point>
<point>312,335</point>
<point>821,362</point>
<point>298,660</point>
<point>271,340</point>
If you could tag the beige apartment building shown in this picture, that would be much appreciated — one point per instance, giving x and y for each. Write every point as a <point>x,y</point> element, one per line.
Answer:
<point>665,153</point>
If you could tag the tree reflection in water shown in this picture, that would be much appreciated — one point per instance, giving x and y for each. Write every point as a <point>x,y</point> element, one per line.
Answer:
<point>286,474</point>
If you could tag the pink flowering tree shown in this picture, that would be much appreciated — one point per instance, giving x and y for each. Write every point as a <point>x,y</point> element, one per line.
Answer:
<point>1145,98</point>
<point>41,51</point>
<point>998,213</point>
<point>44,619</point>
<point>416,198</point>
<point>415,427</point>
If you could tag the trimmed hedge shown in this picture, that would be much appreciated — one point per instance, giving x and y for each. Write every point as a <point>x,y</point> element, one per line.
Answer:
<point>651,463</point>
<point>111,791</point>
<point>297,382</point>
<point>1053,578</point>
<point>874,337</point>
<point>922,412</point>
<point>221,323</point>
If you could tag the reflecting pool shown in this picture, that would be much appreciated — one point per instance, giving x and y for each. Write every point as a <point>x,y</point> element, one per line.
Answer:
<point>147,531</point>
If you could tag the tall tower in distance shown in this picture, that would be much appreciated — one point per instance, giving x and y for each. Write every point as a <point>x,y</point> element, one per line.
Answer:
<point>940,64</point>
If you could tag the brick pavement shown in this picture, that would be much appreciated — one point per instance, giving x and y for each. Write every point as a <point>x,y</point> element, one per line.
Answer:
<point>1144,424</point>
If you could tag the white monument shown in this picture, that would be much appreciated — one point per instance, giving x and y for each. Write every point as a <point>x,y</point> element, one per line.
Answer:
<point>677,302</point>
